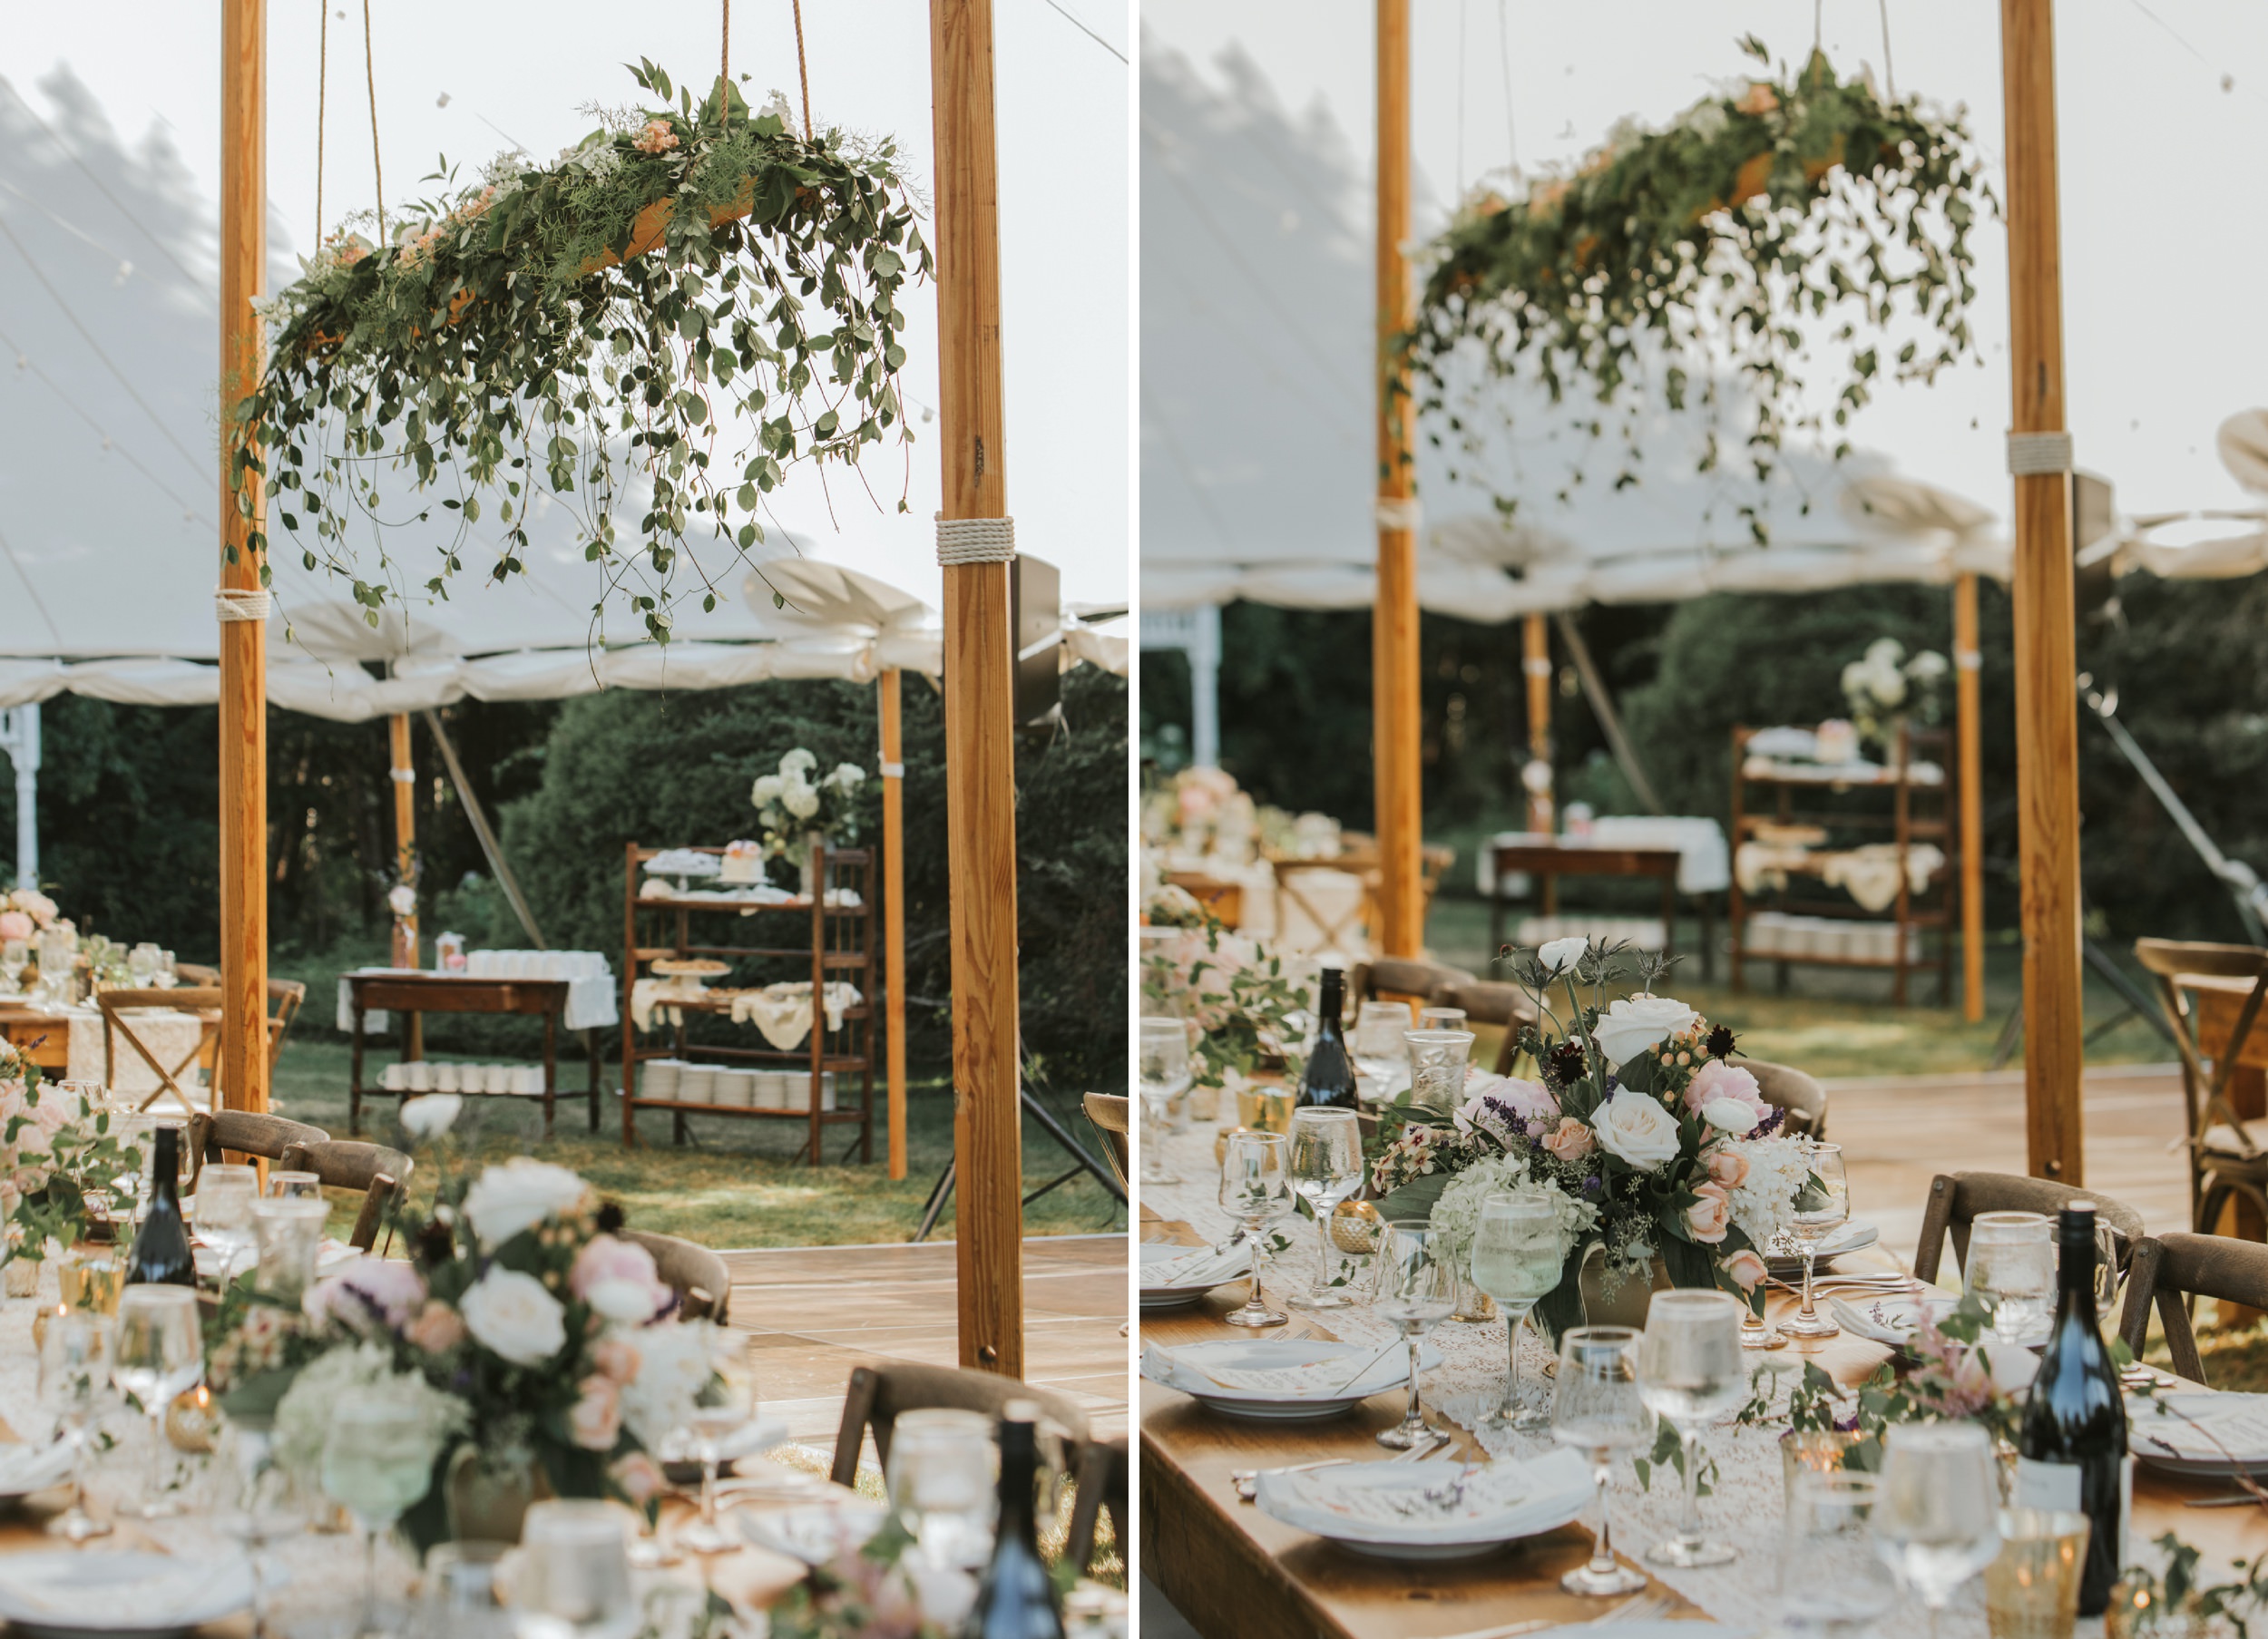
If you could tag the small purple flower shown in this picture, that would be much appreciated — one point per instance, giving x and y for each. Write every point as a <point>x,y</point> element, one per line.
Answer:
<point>1770,1124</point>
<point>1590,1185</point>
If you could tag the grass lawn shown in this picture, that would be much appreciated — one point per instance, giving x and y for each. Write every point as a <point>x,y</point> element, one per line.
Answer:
<point>739,1181</point>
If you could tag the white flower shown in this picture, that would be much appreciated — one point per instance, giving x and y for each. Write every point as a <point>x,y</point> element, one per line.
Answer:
<point>1926,667</point>
<point>1763,1202</point>
<point>847,777</point>
<point>1733,1116</point>
<point>802,802</point>
<point>673,1367</point>
<point>793,764</point>
<point>1637,1022</point>
<point>767,790</point>
<point>776,105</point>
<point>1561,954</point>
<point>1636,1128</point>
<point>401,900</point>
<point>430,1116</point>
<point>1457,1214</point>
<point>518,1195</point>
<point>512,1316</point>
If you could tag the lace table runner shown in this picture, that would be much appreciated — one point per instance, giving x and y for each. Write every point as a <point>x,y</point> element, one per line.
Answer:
<point>1747,1504</point>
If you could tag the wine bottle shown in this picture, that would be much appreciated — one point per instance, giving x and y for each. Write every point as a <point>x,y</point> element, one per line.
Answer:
<point>2071,1448</point>
<point>1017,1598</point>
<point>161,1255</point>
<point>1328,1079</point>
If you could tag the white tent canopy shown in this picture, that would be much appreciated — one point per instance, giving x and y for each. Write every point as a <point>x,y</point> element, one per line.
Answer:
<point>2210,545</point>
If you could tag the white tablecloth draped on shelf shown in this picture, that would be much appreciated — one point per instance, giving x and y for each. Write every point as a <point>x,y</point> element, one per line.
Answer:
<point>782,1012</point>
<point>591,991</point>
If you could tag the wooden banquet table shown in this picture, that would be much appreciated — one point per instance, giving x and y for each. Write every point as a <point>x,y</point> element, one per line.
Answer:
<point>1238,1574</point>
<point>415,993</point>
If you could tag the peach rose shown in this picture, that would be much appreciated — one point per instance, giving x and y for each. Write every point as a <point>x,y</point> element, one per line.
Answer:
<point>656,138</point>
<point>596,1421</point>
<point>14,924</point>
<point>638,1478</point>
<point>437,1328</point>
<point>1571,1140</point>
<point>1727,1168</point>
<point>1707,1218</point>
<point>616,1357</point>
<point>1745,1267</point>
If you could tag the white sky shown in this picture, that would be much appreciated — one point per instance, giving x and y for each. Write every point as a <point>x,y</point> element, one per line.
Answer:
<point>1063,112</point>
<point>2164,236</point>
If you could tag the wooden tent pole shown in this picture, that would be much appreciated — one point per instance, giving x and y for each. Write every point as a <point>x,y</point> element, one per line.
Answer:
<point>893,913</point>
<point>1536,662</point>
<point>980,720</point>
<point>404,773</point>
<point>243,1063</point>
<point>2047,699</point>
<point>1966,660</point>
<point>1394,699</point>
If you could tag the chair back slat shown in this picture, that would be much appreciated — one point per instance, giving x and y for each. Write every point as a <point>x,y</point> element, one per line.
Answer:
<point>1956,1199</point>
<point>380,1173</point>
<point>1785,1088</point>
<point>2169,1269</point>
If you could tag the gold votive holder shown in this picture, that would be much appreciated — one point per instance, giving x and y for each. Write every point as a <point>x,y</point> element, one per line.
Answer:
<point>1267,1109</point>
<point>1814,1452</point>
<point>2032,1589</point>
<point>1354,1227</point>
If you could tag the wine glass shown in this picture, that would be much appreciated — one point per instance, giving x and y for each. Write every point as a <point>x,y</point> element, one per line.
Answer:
<point>1325,1158</point>
<point>1519,1253</point>
<point>1597,1409</point>
<point>225,1197</point>
<point>1379,1052</point>
<point>74,1370</point>
<point>1256,1191</point>
<point>265,1508</point>
<point>284,1184</point>
<point>378,1460</point>
<point>158,1354</point>
<point>1834,1583</point>
<point>1691,1374</point>
<point>2011,1269</point>
<point>943,1484</point>
<point>2108,1276</point>
<point>1441,1019</point>
<point>1936,1520</point>
<point>1416,1289</point>
<point>1162,1075</point>
<point>709,1423</point>
<point>1822,1206</point>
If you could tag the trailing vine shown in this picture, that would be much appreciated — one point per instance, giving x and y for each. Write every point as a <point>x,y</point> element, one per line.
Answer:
<point>1724,240</point>
<point>561,329</point>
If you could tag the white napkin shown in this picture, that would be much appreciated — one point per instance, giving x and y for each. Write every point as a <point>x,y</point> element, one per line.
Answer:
<point>1204,1267</point>
<point>25,1468</point>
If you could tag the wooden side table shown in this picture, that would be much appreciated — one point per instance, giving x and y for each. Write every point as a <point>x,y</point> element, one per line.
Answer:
<point>1547,862</point>
<point>412,994</point>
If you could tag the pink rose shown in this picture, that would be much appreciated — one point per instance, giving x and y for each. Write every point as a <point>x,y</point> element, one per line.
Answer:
<point>616,1357</point>
<point>1707,1217</point>
<point>437,1328</point>
<point>1571,1140</point>
<point>1727,1168</point>
<point>367,1290</point>
<point>1745,1267</point>
<point>14,924</point>
<point>1717,1079</point>
<point>638,1478</point>
<point>596,1421</point>
<point>616,1278</point>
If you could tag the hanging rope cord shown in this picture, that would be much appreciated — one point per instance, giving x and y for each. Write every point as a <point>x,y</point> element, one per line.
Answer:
<point>1890,75</point>
<point>370,76</point>
<point>322,94</point>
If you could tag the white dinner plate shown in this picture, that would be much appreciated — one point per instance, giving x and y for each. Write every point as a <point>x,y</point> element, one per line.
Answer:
<point>51,1594</point>
<point>1328,1390</point>
<point>2180,1444</point>
<point>1856,1236</point>
<point>26,1468</point>
<point>1381,1509</point>
<point>1889,1317</point>
<point>813,1533</point>
<point>1158,1298</point>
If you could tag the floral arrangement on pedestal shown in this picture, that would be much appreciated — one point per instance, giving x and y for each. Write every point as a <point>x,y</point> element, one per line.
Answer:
<point>1652,1143</point>
<point>1884,688</point>
<point>1246,1005</point>
<point>524,1328</point>
<point>798,810</point>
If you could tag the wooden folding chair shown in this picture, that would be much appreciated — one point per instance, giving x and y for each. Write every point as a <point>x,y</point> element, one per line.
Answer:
<point>1345,930</point>
<point>349,1164</point>
<point>702,1279</point>
<point>118,1008</point>
<point>1787,1088</point>
<point>285,997</point>
<point>2173,1269</point>
<point>879,1395</point>
<point>1406,979</point>
<point>1490,1004</point>
<point>1957,1198</point>
<point>2228,1154</point>
<point>214,1133</point>
<point>1103,1482</point>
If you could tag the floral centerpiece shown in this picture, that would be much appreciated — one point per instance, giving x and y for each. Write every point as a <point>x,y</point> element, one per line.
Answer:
<point>1202,813</point>
<point>26,912</point>
<point>1651,1143</point>
<point>800,813</point>
<point>1884,688</point>
<point>1247,1006</point>
<point>53,1151</point>
<point>524,1328</point>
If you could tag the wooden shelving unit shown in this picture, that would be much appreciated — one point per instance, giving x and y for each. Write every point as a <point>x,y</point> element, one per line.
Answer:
<point>1892,808</point>
<point>841,947</point>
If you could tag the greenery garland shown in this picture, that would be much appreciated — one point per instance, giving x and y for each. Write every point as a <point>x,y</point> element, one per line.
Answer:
<point>516,335</point>
<point>1761,209</point>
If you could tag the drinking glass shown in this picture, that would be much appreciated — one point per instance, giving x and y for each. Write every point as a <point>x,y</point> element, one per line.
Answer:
<point>1691,1374</point>
<point>1822,1206</point>
<point>1325,1158</point>
<point>1595,1408</point>
<point>1379,1052</point>
<point>1416,1289</point>
<point>575,1567</point>
<point>1936,1517</point>
<point>167,971</point>
<point>289,1231</point>
<point>708,1424</point>
<point>282,1185</point>
<point>74,1370</point>
<point>158,1354</point>
<point>1832,1583</point>
<point>1162,1076</point>
<point>1518,1257</point>
<point>2108,1276</point>
<point>378,1460</point>
<point>225,1197</point>
<point>461,1592</point>
<point>1256,1190</point>
<point>2011,1269</point>
<point>1437,1065</point>
<point>943,1485</point>
<point>1441,1019</point>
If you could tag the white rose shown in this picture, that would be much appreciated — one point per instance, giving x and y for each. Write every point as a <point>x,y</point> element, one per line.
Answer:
<point>802,802</point>
<point>768,790</point>
<point>512,1316</point>
<point>518,1195</point>
<point>793,765</point>
<point>1889,686</point>
<point>401,900</point>
<point>673,1368</point>
<point>1561,954</point>
<point>1733,1116</point>
<point>848,776</point>
<point>1635,1023</point>
<point>430,1116</point>
<point>1634,1127</point>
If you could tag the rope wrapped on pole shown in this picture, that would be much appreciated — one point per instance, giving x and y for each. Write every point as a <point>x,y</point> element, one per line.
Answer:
<point>242,603</point>
<point>975,539</point>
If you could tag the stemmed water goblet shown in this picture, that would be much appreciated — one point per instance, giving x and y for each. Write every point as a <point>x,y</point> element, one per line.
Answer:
<point>1822,1206</point>
<point>225,1197</point>
<point>1597,1410</point>
<point>1416,1290</point>
<point>157,1354</point>
<point>1256,1190</point>
<point>377,1461</point>
<point>74,1371</point>
<point>1691,1374</point>
<point>1379,1051</point>
<point>1937,1518</point>
<point>707,1426</point>
<point>1325,1158</point>
<point>1162,1075</point>
<point>1519,1253</point>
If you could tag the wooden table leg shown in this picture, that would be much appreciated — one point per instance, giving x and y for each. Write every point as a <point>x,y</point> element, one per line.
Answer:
<point>591,1050</point>
<point>550,1070</point>
<point>1669,917</point>
<point>354,1077</point>
<point>2248,1096</point>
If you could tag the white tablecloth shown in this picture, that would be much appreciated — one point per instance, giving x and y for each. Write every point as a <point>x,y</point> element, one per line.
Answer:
<point>592,997</point>
<point>172,1037</point>
<point>1705,864</point>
